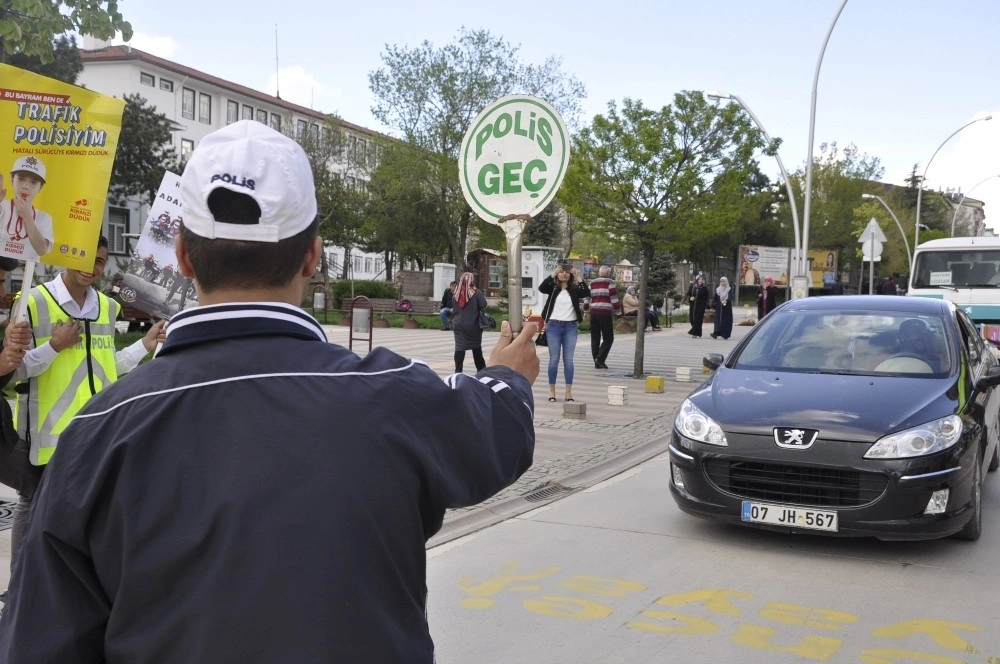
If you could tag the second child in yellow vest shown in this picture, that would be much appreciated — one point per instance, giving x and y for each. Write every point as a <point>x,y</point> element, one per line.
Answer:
<point>71,359</point>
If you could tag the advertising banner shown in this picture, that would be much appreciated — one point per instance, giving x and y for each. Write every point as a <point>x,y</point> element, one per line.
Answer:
<point>821,267</point>
<point>756,263</point>
<point>152,282</point>
<point>57,148</point>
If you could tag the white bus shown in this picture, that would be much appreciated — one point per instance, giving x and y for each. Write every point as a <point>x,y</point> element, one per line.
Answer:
<point>965,270</point>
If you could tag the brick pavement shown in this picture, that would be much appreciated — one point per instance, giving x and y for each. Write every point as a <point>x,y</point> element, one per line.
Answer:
<point>570,454</point>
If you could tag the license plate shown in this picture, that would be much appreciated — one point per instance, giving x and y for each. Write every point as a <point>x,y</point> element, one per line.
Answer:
<point>792,517</point>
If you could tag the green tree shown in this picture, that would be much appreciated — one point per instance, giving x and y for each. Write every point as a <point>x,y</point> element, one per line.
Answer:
<point>144,152</point>
<point>839,179</point>
<point>340,192</point>
<point>400,216</point>
<point>29,26</point>
<point>431,95</point>
<point>65,65</point>
<point>543,229</point>
<point>661,180</point>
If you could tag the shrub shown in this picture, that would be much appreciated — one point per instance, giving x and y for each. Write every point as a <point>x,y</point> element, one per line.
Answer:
<point>372,289</point>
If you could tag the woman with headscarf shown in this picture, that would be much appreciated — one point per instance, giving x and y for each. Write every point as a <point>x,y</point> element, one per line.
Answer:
<point>698,299</point>
<point>722,304</point>
<point>767,298</point>
<point>469,301</point>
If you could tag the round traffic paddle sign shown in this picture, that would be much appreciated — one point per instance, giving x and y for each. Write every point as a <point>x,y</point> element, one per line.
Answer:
<point>513,158</point>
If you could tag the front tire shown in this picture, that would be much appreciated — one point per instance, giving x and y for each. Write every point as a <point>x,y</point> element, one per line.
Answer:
<point>974,527</point>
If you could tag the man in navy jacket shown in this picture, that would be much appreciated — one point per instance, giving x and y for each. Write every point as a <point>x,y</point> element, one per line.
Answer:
<point>257,494</point>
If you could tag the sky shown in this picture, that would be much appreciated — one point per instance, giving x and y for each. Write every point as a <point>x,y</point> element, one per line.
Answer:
<point>897,78</point>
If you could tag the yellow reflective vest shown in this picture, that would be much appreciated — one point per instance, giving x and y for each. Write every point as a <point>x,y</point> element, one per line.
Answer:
<point>77,373</point>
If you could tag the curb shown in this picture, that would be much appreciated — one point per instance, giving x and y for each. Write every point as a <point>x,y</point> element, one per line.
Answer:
<point>485,517</point>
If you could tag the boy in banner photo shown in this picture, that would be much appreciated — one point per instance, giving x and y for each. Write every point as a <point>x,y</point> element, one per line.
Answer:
<point>152,281</point>
<point>58,142</point>
<point>25,231</point>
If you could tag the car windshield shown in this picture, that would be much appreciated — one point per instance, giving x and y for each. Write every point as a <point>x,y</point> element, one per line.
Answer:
<point>849,342</point>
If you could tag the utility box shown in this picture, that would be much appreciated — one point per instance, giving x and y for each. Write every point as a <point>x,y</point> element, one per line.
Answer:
<point>536,264</point>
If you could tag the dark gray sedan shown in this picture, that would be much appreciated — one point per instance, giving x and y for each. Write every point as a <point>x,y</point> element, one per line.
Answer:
<point>849,415</point>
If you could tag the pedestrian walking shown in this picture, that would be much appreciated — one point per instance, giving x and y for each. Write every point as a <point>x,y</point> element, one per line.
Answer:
<point>698,300</point>
<point>469,301</point>
<point>722,305</point>
<point>603,307</point>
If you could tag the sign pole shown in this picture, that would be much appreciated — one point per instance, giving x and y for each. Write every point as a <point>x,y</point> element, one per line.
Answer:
<point>513,227</point>
<point>513,159</point>
<point>871,264</point>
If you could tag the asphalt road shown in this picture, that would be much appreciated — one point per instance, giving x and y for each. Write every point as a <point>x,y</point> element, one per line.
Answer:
<point>617,574</point>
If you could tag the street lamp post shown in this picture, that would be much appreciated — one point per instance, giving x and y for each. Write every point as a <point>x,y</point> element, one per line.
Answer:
<point>781,166</point>
<point>962,200</point>
<point>812,137</point>
<point>906,243</point>
<point>920,185</point>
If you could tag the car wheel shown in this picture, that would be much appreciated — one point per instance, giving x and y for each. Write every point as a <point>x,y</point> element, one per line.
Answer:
<point>974,527</point>
<point>995,461</point>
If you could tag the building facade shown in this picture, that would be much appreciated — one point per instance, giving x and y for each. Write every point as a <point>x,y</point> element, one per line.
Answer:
<point>196,104</point>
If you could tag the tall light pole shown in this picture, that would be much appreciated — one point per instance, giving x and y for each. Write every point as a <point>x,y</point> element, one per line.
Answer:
<point>909,254</point>
<point>781,166</point>
<point>920,185</point>
<point>812,139</point>
<point>962,200</point>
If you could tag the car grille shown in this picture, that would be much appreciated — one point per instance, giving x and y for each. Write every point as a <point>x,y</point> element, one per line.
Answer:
<point>799,485</point>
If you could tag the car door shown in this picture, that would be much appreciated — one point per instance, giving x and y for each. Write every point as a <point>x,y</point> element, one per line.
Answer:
<point>985,398</point>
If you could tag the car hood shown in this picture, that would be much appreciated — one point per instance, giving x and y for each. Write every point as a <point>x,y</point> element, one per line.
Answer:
<point>841,407</point>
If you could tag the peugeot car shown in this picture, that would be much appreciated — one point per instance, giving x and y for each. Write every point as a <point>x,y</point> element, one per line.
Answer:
<point>848,416</point>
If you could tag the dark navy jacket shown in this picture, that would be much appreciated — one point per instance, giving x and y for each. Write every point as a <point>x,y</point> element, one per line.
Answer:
<point>256,494</point>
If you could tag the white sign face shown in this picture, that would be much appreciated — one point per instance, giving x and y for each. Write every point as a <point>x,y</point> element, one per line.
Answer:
<point>940,278</point>
<point>872,229</point>
<point>513,158</point>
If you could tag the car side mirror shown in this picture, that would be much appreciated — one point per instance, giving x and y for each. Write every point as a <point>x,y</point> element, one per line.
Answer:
<point>992,376</point>
<point>713,361</point>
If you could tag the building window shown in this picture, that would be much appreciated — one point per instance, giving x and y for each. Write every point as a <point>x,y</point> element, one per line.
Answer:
<point>247,112</point>
<point>232,111</point>
<point>205,108</point>
<point>147,79</point>
<point>275,122</point>
<point>117,227</point>
<point>187,103</point>
<point>262,116</point>
<point>362,150</point>
<point>166,84</point>
<point>187,147</point>
<point>352,147</point>
<point>369,264</point>
<point>379,267</point>
<point>496,274</point>
<point>314,132</point>
<point>300,129</point>
<point>356,263</point>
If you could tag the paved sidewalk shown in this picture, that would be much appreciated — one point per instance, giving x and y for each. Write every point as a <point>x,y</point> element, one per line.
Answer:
<point>570,454</point>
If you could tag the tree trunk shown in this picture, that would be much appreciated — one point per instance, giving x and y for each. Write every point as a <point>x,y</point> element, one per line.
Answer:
<point>640,314</point>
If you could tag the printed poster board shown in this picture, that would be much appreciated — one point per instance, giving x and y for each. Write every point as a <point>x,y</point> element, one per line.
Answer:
<point>57,149</point>
<point>757,262</point>
<point>151,281</point>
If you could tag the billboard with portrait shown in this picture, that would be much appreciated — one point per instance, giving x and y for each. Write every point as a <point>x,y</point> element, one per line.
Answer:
<point>756,262</point>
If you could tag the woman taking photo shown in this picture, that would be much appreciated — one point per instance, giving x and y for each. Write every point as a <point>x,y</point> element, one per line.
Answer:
<point>562,314</point>
<point>469,301</point>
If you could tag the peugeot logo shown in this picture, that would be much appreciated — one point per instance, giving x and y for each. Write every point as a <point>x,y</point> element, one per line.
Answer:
<point>795,439</point>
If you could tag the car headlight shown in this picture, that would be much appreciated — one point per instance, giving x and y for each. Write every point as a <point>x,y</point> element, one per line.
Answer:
<point>696,425</point>
<point>919,441</point>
